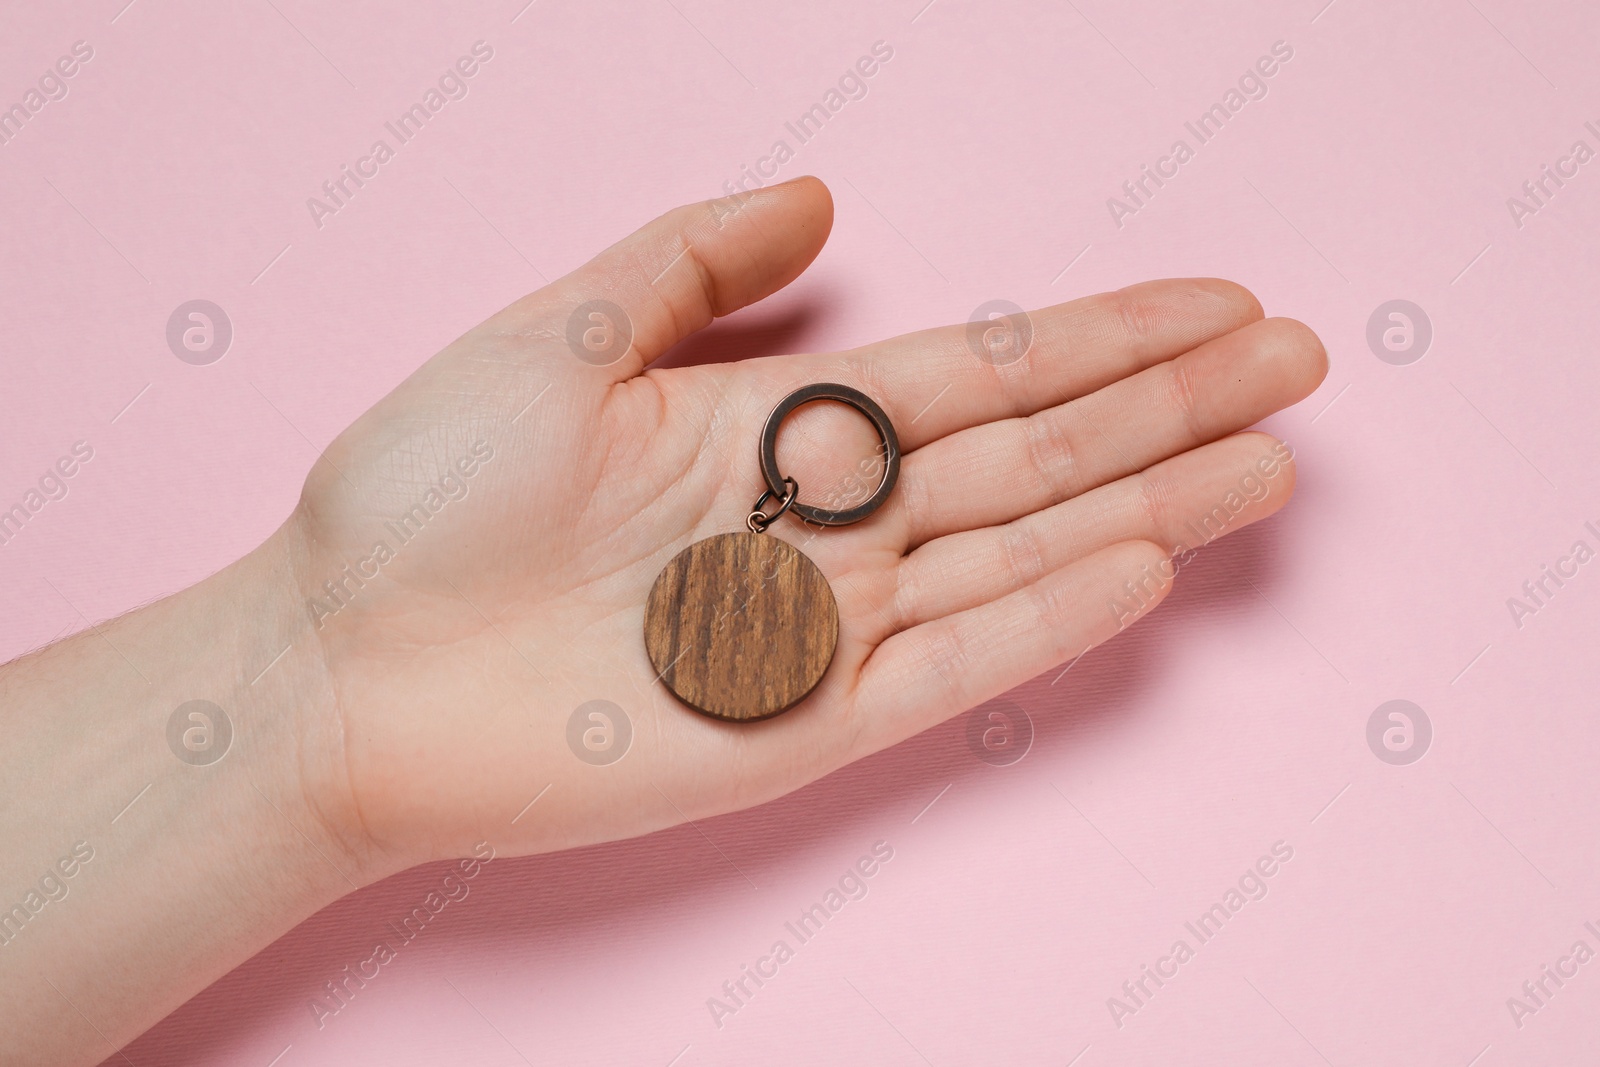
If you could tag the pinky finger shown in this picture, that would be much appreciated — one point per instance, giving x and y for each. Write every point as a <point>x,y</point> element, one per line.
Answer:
<point>922,676</point>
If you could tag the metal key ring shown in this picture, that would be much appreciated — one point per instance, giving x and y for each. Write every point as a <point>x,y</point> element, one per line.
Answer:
<point>888,442</point>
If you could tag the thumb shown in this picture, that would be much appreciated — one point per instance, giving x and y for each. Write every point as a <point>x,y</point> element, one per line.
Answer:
<point>647,292</point>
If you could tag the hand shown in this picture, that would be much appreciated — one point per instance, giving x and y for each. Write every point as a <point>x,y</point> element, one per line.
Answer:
<point>470,562</point>
<point>1031,493</point>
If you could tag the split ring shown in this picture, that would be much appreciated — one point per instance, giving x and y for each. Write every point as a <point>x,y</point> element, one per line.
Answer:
<point>889,444</point>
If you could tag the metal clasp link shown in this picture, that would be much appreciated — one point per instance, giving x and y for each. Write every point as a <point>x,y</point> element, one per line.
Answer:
<point>758,520</point>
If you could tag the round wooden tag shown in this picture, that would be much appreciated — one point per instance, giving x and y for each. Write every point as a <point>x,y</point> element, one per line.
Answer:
<point>741,626</point>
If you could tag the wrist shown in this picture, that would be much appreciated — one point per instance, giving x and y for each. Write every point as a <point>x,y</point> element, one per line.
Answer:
<point>210,828</point>
<point>287,685</point>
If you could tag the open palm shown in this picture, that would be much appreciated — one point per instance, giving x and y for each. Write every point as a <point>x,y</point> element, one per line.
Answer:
<point>526,498</point>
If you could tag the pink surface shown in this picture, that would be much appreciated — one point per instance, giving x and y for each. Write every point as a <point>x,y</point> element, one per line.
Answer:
<point>978,165</point>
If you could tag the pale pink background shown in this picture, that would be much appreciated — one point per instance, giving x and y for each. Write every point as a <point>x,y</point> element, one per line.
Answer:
<point>978,167</point>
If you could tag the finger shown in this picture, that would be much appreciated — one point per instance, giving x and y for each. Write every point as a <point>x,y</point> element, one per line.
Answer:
<point>676,274</point>
<point>924,675</point>
<point>932,382</point>
<point>1181,505</point>
<point>991,474</point>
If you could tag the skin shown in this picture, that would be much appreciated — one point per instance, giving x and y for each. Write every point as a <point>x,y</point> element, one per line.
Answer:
<point>423,716</point>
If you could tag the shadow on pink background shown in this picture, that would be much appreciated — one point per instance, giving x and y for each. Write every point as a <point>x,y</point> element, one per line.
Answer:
<point>979,165</point>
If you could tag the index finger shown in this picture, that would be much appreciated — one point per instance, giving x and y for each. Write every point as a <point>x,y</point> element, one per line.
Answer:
<point>935,382</point>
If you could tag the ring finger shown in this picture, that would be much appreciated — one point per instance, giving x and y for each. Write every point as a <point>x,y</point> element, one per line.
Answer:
<point>1180,504</point>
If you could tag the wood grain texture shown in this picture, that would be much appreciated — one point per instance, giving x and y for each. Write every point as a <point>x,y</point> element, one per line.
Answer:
<point>741,626</point>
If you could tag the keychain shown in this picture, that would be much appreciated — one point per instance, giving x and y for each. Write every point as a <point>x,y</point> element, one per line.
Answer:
<point>741,626</point>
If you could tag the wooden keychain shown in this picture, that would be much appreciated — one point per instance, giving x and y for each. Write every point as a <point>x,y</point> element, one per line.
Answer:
<point>741,626</point>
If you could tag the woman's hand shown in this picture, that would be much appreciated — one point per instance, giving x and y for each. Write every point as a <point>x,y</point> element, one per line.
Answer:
<point>504,512</point>
<point>397,665</point>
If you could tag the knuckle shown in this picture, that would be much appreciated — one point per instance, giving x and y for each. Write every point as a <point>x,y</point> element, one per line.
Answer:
<point>1183,391</point>
<point>1137,316</point>
<point>946,649</point>
<point>1157,503</point>
<point>1021,555</point>
<point>916,504</point>
<point>1051,451</point>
